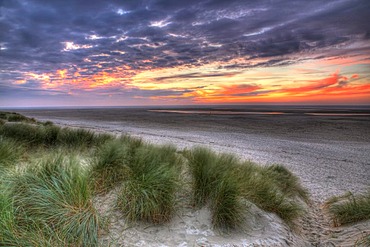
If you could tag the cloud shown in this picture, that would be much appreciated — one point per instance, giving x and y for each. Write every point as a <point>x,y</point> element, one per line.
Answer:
<point>98,37</point>
<point>197,75</point>
<point>238,90</point>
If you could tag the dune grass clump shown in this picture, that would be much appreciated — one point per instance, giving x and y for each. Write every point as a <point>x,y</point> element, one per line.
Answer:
<point>16,117</point>
<point>349,208</point>
<point>12,233</point>
<point>222,180</point>
<point>149,192</point>
<point>51,135</point>
<point>7,217</point>
<point>80,138</point>
<point>23,133</point>
<point>287,182</point>
<point>111,163</point>
<point>3,115</point>
<point>272,188</point>
<point>213,182</point>
<point>54,195</point>
<point>76,137</point>
<point>48,123</point>
<point>363,241</point>
<point>226,208</point>
<point>10,153</point>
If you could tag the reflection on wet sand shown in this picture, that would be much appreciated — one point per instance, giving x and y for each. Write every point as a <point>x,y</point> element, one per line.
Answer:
<point>211,112</point>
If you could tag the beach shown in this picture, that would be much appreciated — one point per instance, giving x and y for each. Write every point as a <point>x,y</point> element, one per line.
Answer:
<point>326,148</point>
<point>329,153</point>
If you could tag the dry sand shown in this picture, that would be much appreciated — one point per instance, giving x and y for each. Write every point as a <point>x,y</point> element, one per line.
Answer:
<point>330,154</point>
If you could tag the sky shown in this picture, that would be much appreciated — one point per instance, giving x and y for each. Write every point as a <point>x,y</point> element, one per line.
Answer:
<point>171,52</point>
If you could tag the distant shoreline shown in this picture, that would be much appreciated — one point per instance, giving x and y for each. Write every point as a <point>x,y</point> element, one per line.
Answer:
<point>227,106</point>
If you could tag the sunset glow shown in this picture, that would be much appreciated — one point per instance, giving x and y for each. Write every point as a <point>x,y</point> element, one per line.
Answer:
<point>183,53</point>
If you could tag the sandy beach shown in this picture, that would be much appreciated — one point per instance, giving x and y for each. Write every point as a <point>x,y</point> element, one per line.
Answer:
<point>328,149</point>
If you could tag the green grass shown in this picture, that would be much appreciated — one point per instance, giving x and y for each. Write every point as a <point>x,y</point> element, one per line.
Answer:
<point>207,169</point>
<point>54,195</point>
<point>111,162</point>
<point>267,188</point>
<point>12,233</point>
<point>76,137</point>
<point>272,188</point>
<point>213,182</point>
<point>15,117</point>
<point>10,153</point>
<point>51,198</point>
<point>149,193</point>
<point>349,208</point>
<point>363,241</point>
<point>50,136</point>
<point>23,133</point>
<point>226,208</point>
<point>287,182</point>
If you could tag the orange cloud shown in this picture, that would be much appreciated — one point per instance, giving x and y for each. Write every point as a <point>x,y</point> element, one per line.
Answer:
<point>314,85</point>
<point>62,73</point>
<point>238,89</point>
<point>327,90</point>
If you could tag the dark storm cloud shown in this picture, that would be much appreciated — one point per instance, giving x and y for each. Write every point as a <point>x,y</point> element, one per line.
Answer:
<point>165,33</point>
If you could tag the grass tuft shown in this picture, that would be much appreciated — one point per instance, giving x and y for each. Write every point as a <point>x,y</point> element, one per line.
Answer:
<point>149,193</point>
<point>50,136</point>
<point>349,208</point>
<point>363,241</point>
<point>76,137</point>
<point>287,182</point>
<point>110,166</point>
<point>214,183</point>
<point>274,188</point>
<point>16,117</point>
<point>10,153</point>
<point>24,133</point>
<point>226,208</point>
<point>54,195</point>
<point>267,188</point>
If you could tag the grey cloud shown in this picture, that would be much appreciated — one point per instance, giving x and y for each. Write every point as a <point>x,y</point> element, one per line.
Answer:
<point>199,32</point>
<point>196,75</point>
<point>254,93</point>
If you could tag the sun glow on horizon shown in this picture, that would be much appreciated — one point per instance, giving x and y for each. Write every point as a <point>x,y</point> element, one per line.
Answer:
<point>210,84</point>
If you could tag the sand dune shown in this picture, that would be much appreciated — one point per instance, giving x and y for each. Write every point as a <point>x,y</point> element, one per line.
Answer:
<point>328,153</point>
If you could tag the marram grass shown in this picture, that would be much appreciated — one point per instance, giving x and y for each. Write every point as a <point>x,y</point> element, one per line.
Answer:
<point>52,198</point>
<point>349,208</point>
<point>272,188</point>
<point>149,193</point>
<point>55,195</point>
<point>111,165</point>
<point>10,153</point>
<point>214,183</point>
<point>268,190</point>
<point>51,136</point>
